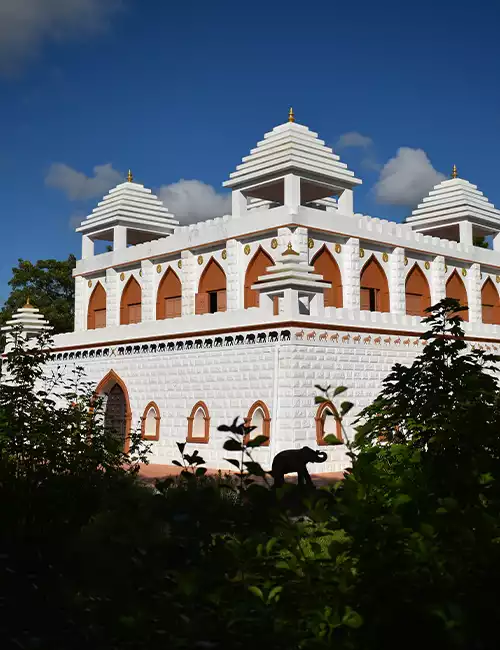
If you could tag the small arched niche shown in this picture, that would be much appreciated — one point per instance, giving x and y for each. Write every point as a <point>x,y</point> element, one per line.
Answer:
<point>96,314</point>
<point>131,303</point>
<point>325,264</point>
<point>374,288</point>
<point>455,288</point>
<point>417,292</point>
<point>169,296</point>
<point>150,422</point>
<point>199,424</point>
<point>259,416</point>
<point>326,423</point>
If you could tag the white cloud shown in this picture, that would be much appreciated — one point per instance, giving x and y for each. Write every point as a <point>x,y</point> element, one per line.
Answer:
<point>193,200</point>
<point>78,186</point>
<point>406,178</point>
<point>353,139</point>
<point>26,24</point>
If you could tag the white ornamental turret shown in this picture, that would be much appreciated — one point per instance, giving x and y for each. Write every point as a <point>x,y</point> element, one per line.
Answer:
<point>30,321</point>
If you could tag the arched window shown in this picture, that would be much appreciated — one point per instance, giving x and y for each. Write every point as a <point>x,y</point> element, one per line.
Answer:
<point>326,424</point>
<point>259,417</point>
<point>324,264</point>
<point>490,303</point>
<point>374,295</point>
<point>211,296</point>
<point>130,305</point>
<point>418,294</point>
<point>199,423</point>
<point>117,413</point>
<point>455,288</point>
<point>169,296</point>
<point>150,427</point>
<point>96,314</point>
<point>257,266</point>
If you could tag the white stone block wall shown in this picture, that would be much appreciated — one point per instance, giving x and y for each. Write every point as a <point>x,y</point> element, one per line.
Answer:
<point>112,298</point>
<point>473,286</point>
<point>149,276</point>
<point>438,280</point>
<point>189,283</point>
<point>235,275</point>
<point>352,270</point>
<point>397,284</point>
<point>80,304</point>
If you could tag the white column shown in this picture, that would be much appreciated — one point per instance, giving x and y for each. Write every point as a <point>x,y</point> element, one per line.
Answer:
<point>80,307</point>
<point>474,294</point>
<point>112,298</point>
<point>148,286</point>
<point>119,238</point>
<point>189,282</point>
<point>235,275</point>
<point>346,202</point>
<point>351,275</point>
<point>465,232</point>
<point>239,203</point>
<point>289,305</point>
<point>292,192</point>
<point>438,287</point>
<point>299,241</point>
<point>284,237</point>
<point>87,247</point>
<point>397,282</point>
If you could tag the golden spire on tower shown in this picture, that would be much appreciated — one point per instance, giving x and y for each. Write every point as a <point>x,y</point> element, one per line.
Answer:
<point>454,172</point>
<point>28,304</point>
<point>130,178</point>
<point>291,116</point>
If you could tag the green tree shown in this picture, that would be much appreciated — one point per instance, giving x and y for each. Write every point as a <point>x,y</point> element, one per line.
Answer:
<point>49,285</point>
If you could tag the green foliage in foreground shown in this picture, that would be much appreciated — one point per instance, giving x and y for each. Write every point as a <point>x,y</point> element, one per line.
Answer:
<point>405,552</point>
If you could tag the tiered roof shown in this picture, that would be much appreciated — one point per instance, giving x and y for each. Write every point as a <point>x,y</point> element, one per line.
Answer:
<point>29,319</point>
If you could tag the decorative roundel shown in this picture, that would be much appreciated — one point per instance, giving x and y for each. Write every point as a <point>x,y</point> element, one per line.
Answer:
<point>406,261</point>
<point>122,276</point>
<point>140,273</point>
<point>385,257</point>
<point>158,268</point>
<point>179,264</point>
<point>446,268</point>
<point>310,243</point>
<point>361,252</point>
<point>464,272</point>
<point>224,254</point>
<point>427,265</point>
<point>338,248</point>
<point>247,249</point>
<point>89,283</point>
<point>200,259</point>
<point>274,243</point>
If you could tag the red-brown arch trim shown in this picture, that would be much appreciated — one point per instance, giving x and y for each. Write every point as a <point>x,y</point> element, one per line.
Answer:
<point>109,380</point>
<point>320,428</point>
<point>266,427</point>
<point>206,416</point>
<point>156,435</point>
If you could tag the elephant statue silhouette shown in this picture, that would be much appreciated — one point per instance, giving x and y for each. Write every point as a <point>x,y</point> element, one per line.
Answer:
<point>295,460</point>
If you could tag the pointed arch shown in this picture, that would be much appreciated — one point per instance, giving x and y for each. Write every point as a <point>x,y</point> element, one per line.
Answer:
<point>259,416</point>
<point>199,423</point>
<point>256,267</point>
<point>490,303</point>
<point>325,264</point>
<point>150,422</point>
<point>130,304</point>
<point>211,296</point>
<point>117,414</point>
<point>326,423</point>
<point>417,292</point>
<point>374,294</point>
<point>169,296</point>
<point>455,288</point>
<point>96,313</point>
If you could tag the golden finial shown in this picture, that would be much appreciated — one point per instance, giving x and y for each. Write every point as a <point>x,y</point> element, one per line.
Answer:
<point>290,251</point>
<point>291,116</point>
<point>130,178</point>
<point>28,304</point>
<point>454,172</point>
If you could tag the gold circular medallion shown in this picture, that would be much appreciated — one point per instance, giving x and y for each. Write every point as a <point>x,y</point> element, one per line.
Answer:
<point>361,252</point>
<point>427,265</point>
<point>464,272</point>
<point>446,268</point>
<point>247,249</point>
<point>274,243</point>
<point>140,273</point>
<point>406,261</point>
<point>224,254</point>
<point>498,278</point>
<point>158,268</point>
<point>385,257</point>
<point>338,248</point>
<point>310,243</point>
<point>89,283</point>
<point>122,276</point>
<point>200,259</point>
<point>179,264</point>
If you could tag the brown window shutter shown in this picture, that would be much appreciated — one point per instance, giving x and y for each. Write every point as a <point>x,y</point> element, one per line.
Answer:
<point>202,303</point>
<point>221,301</point>
<point>99,318</point>
<point>365,299</point>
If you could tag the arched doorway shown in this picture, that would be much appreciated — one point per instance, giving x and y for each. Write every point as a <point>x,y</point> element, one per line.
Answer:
<point>257,267</point>
<point>490,303</point>
<point>211,296</point>
<point>417,291</point>
<point>130,305</point>
<point>374,294</point>
<point>96,314</point>
<point>455,288</point>
<point>324,264</point>
<point>169,296</point>
<point>117,412</point>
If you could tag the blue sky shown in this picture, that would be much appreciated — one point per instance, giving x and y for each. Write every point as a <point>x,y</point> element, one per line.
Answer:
<point>184,90</point>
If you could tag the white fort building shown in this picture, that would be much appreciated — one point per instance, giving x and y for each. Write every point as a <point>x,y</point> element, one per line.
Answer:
<point>184,328</point>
